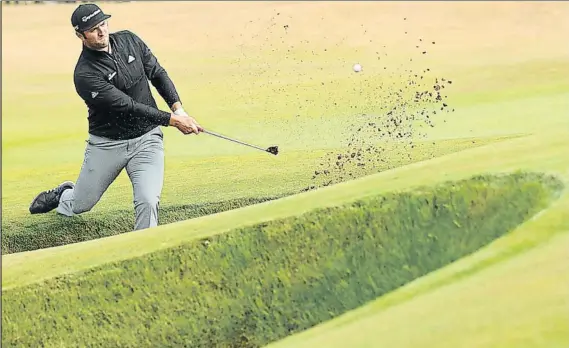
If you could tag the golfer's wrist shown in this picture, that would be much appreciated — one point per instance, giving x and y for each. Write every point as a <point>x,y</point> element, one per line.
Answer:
<point>180,111</point>
<point>175,105</point>
<point>174,120</point>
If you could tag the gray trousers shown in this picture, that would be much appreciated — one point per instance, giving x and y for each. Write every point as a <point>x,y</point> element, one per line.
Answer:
<point>143,158</point>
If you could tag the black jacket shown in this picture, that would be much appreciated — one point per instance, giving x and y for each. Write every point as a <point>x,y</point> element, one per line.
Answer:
<point>116,90</point>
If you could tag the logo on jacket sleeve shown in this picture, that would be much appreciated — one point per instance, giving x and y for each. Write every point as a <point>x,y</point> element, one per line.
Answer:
<point>94,94</point>
<point>130,58</point>
<point>111,75</point>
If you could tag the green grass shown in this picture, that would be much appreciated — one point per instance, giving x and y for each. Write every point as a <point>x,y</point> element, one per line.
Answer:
<point>257,284</point>
<point>50,231</point>
<point>518,301</point>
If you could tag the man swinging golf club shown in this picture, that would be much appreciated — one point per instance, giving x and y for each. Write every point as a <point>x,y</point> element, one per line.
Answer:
<point>111,76</point>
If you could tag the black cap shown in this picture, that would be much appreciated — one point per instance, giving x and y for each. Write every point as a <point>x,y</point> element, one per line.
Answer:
<point>86,16</point>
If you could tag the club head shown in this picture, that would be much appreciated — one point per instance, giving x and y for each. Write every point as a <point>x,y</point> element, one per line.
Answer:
<point>274,150</point>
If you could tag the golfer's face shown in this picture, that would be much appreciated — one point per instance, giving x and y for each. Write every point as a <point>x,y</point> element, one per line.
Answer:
<point>98,36</point>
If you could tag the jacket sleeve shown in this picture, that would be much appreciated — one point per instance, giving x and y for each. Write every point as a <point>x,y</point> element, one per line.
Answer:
<point>102,95</point>
<point>157,74</point>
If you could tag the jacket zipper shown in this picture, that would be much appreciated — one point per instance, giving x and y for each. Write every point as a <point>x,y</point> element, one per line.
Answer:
<point>123,68</point>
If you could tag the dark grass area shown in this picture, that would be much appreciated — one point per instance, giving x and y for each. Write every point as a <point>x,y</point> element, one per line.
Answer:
<point>259,284</point>
<point>55,230</point>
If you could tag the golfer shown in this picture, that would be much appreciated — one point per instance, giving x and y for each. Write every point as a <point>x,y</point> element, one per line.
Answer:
<point>111,76</point>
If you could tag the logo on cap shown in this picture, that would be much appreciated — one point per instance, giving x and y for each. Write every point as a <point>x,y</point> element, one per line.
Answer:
<point>86,18</point>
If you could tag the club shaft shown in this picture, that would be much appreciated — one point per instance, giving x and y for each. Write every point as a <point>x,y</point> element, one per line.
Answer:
<point>234,140</point>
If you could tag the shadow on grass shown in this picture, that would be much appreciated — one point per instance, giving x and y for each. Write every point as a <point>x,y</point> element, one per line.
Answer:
<point>52,230</point>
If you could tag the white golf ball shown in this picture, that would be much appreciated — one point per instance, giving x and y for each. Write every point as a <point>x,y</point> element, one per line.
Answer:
<point>357,67</point>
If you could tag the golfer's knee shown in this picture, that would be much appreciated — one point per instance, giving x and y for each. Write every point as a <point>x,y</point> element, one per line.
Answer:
<point>147,202</point>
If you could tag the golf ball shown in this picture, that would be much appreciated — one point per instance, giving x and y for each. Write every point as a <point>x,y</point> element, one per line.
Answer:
<point>357,67</point>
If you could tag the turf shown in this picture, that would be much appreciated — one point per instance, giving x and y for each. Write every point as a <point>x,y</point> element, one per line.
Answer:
<point>260,283</point>
<point>507,81</point>
<point>520,301</point>
<point>50,232</point>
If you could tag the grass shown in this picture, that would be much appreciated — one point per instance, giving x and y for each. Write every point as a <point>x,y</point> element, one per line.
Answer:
<point>215,195</point>
<point>506,83</point>
<point>254,285</point>
<point>51,232</point>
<point>519,301</point>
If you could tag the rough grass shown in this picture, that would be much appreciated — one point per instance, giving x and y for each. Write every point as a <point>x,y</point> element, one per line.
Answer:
<point>258,284</point>
<point>519,300</point>
<point>51,231</point>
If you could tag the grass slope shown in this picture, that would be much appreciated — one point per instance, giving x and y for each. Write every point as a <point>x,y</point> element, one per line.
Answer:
<point>510,154</point>
<point>263,282</point>
<point>496,307</point>
<point>59,230</point>
<point>519,300</point>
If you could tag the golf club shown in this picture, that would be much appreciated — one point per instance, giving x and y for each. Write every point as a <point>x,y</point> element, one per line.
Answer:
<point>272,150</point>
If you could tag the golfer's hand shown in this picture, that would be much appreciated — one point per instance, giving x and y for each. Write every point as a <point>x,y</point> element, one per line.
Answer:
<point>186,124</point>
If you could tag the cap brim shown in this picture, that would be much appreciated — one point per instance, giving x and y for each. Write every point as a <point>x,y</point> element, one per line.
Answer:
<point>105,17</point>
